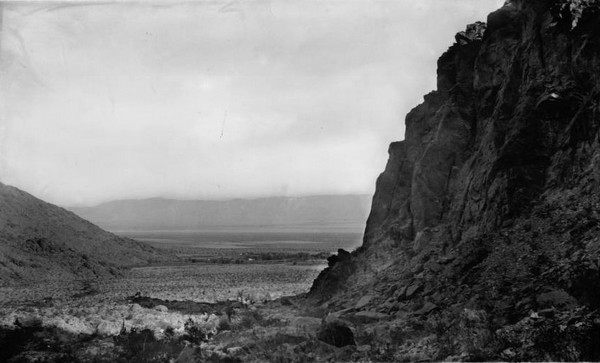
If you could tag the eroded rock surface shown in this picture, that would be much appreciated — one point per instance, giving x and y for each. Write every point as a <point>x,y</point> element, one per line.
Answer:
<point>492,201</point>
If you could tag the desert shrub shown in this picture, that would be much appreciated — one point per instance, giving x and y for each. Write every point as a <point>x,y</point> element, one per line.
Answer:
<point>88,289</point>
<point>229,311</point>
<point>15,344</point>
<point>247,321</point>
<point>285,348</point>
<point>49,344</point>
<point>223,325</point>
<point>142,346</point>
<point>252,318</point>
<point>364,336</point>
<point>169,332</point>
<point>193,332</point>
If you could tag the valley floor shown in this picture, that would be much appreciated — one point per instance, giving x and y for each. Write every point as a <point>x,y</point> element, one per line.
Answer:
<point>219,303</point>
<point>181,310</point>
<point>91,326</point>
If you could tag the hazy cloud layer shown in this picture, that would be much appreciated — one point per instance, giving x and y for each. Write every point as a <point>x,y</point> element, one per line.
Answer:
<point>213,99</point>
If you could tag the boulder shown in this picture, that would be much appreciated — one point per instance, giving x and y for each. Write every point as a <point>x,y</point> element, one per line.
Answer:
<point>401,293</point>
<point>473,32</point>
<point>161,308</point>
<point>433,266</point>
<point>364,348</point>
<point>338,314</point>
<point>364,301</point>
<point>413,289</point>
<point>369,316</point>
<point>426,309</point>
<point>556,298</point>
<point>107,328</point>
<point>336,333</point>
<point>285,301</point>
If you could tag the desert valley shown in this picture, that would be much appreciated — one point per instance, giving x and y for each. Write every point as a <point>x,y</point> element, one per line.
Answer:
<point>204,278</point>
<point>480,241</point>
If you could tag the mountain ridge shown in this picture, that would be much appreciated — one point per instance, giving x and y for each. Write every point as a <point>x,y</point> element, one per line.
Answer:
<point>163,213</point>
<point>40,241</point>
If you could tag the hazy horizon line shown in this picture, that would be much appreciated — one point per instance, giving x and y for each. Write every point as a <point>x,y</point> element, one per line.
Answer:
<point>225,199</point>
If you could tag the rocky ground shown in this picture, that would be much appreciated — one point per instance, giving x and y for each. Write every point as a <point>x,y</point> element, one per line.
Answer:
<point>152,330</point>
<point>107,321</point>
<point>528,292</point>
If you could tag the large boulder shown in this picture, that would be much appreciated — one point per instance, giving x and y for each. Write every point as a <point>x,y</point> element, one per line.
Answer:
<point>336,333</point>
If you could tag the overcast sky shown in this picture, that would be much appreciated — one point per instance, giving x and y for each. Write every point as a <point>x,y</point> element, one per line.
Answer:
<point>213,99</point>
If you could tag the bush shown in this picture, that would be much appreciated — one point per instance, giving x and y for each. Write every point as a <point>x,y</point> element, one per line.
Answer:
<point>223,325</point>
<point>250,319</point>
<point>142,346</point>
<point>193,332</point>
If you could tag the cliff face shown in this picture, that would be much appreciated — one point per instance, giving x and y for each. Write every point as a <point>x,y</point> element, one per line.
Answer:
<point>492,199</point>
<point>514,111</point>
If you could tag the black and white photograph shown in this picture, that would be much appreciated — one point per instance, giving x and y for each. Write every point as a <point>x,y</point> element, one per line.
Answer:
<point>295,181</point>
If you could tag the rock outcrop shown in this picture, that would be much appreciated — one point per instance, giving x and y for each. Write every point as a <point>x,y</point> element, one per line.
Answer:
<point>511,109</point>
<point>40,241</point>
<point>493,198</point>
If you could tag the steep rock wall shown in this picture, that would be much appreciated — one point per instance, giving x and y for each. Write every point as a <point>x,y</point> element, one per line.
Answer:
<point>514,103</point>
<point>483,241</point>
<point>510,134</point>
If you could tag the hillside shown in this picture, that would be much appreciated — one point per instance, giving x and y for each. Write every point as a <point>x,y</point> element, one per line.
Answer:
<point>483,239</point>
<point>168,214</point>
<point>40,241</point>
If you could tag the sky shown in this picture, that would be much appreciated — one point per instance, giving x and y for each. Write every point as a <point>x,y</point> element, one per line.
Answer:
<point>213,99</point>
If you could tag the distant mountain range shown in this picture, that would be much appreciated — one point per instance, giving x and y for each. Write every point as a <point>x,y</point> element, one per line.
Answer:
<point>41,241</point>
<point>313,212</point>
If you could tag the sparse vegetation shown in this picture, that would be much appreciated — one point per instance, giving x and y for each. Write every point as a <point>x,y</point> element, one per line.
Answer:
<point>156,313</point>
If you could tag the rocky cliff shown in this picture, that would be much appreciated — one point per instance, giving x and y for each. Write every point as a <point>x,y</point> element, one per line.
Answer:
<point>484,225</point>
<point>40,241</point>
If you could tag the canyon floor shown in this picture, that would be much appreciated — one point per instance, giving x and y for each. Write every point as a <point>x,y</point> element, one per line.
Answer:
<point>172,321</point>
<point>230,298</point>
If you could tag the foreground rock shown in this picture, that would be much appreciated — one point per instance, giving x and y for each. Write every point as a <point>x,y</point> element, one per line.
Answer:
<point>336,333</point>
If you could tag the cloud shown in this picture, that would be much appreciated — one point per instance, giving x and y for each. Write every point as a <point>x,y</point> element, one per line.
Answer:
<point>213,99</point>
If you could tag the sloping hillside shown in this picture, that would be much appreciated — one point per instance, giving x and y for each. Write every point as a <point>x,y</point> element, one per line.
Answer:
<point>40,241</point>
<point>483,240</point>
<point>155,214</point>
